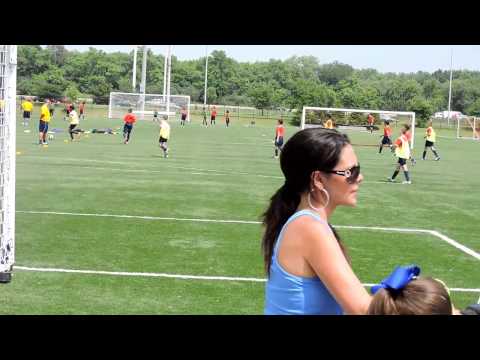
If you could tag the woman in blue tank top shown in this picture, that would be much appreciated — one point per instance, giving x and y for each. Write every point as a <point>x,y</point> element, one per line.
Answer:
<point>307,265</point>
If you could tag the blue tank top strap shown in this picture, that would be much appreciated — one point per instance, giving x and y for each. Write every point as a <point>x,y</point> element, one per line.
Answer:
<point>293,217</point>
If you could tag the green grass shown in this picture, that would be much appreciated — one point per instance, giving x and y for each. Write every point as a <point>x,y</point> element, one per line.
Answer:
<point>212,173</point>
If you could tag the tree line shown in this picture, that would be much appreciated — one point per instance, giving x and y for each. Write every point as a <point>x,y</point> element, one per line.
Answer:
<point>298,81</point>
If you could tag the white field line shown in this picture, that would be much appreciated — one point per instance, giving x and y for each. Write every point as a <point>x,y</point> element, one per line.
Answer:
<point>220,172</point>
<point>172,276</point>
<point>437,234</point>
<point>198,171</point>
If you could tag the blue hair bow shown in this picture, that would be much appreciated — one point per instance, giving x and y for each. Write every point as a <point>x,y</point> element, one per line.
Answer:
<point>398,279</point>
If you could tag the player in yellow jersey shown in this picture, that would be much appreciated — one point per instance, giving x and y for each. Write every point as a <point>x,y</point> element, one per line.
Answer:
<point>27,108</point>
<point>402,151</point>
<point>329,122</point>
<point>430,141</point>
<point>164,135</point>
<point>43,125</point>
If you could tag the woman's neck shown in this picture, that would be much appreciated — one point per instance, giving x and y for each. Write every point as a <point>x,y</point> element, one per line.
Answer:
<point>324,213</point>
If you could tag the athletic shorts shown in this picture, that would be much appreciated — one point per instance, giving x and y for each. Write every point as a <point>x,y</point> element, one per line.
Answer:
<point>429,143</point>
<point>26,114</point>
<point>162,140</point>
<point>43,126</point>
<point>386,140</point>
<point>402,161</point>
<point>212,117</point>
<point>127,127</point>
<point>184,117</point>
<point>279,142</point>
<point>81,112</point>
<point>72,126</point>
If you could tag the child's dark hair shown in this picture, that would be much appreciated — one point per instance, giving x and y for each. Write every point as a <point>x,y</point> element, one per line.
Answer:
<point>421,296</point>
<point>307,151</point>
<point>280,121</point>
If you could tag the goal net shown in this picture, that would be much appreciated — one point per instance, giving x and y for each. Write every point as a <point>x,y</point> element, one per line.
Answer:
<point>357,119</point>
<point>8,74</point>
<point>146,105</point>
<point>468,127</point>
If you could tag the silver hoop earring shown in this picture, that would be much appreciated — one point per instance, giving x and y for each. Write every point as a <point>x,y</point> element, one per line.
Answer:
<point>327,195</point>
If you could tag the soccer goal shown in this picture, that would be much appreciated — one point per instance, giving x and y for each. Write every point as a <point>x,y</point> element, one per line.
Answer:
<point>8,78</point>
<point>468,127</point>
<point>356,119</point>
<point>145,105</point>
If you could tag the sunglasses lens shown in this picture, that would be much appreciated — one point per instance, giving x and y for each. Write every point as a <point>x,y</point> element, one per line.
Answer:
<point>354,173</point>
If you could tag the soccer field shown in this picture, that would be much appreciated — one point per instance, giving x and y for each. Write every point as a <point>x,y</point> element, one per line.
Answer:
<point>108,228</point>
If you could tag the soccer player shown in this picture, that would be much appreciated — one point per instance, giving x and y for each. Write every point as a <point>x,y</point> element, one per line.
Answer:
<point>279,134</point>
<point>164,135</point>
<point>213,115</point>
<point>402,151</point>
<point>155,116</point>
<point>67,110</point>
<point>43,124</point>
<point>408,133</point>
<point>51,108</point>
<point>227,117</point>
<point>184,116</point>
<point>430,141</point>
<point>81,109</point>
<point>329,123</point>
<point>371,121</point>
<point>74,121</point>
<point>387,132</point>
<point>204,114</point>
<point>129,120</point>
<point>27,107</point>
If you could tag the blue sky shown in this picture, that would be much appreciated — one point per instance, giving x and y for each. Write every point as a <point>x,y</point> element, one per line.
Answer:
<point>383,58</point>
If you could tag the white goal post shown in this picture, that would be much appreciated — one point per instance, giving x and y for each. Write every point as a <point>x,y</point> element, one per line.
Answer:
<point>147,104</point>
<point>8,79</point>
<point>468,127</point>
<point>346,114</point>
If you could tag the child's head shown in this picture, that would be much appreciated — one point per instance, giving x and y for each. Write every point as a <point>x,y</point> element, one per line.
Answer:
<point>403,293</point>
<point>280,121</point>
<point>387,122</point>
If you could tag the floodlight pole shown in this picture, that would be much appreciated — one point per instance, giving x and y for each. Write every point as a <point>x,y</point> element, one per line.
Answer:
<point>134,76</point>
<point>144,80</point>
<point>165,74</point>
<point>450,89</point>
<point>206,76</point>
<point>169,71</point>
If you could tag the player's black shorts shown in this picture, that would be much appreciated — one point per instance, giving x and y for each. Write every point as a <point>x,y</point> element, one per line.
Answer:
<point>184,117</point>
<point>43,126</point>
<point>402,161</point>
<point>127,127</point>
<point>429,143</point>
<point>162,140</point>
<point>26,114</point>
<point>279,142</point>
<point>386,140</point>
<point>71,127</point>
<point>212,117</point>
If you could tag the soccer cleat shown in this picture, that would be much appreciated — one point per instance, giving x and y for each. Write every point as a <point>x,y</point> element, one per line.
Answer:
<point>406,182</point>
<point>390,179</point>
<point>437,158</point>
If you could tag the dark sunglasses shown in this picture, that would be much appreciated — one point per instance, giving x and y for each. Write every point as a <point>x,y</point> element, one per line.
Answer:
<point>351,174</point>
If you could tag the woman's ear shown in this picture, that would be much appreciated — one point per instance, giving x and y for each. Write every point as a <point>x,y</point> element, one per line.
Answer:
<point>316,180</point>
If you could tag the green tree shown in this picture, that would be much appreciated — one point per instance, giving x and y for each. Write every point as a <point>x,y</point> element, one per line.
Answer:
<point>49,84</point>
